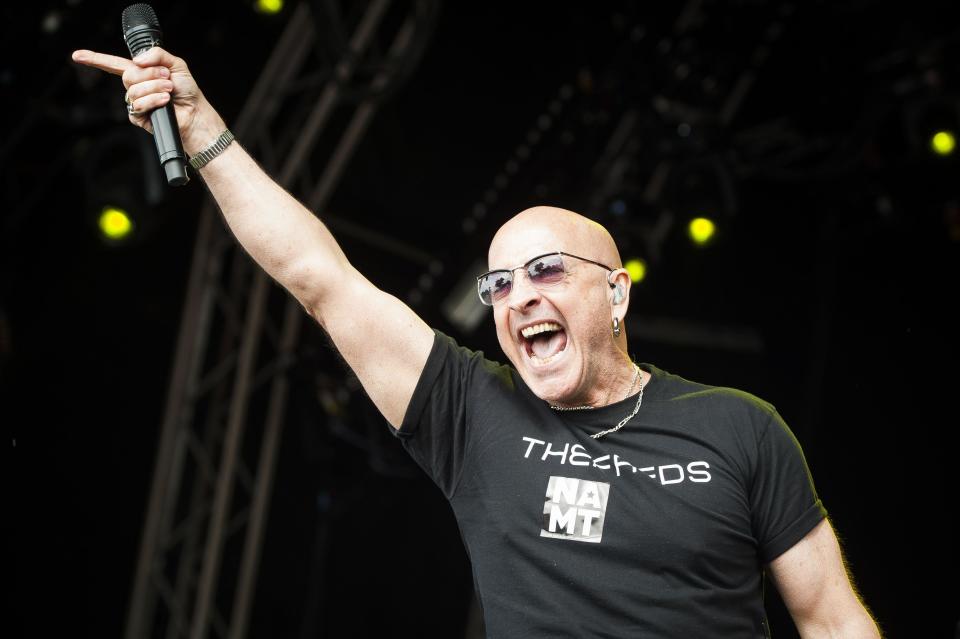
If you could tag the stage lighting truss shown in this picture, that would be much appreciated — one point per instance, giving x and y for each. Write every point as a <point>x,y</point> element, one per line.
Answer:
<point>238,335</point>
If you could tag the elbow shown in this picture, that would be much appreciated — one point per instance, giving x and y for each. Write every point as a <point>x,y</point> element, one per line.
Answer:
<point>846,624</point>
<point>306,282</point>
<point>323,286</point>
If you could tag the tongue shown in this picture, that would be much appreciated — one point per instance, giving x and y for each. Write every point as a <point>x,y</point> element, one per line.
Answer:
<point>546,344</point>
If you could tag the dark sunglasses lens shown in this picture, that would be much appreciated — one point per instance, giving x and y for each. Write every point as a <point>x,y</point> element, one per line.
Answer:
<point>495,286</point>
<point>546,270</point>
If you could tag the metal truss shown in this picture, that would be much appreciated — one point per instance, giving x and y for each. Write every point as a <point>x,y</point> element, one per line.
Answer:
<point>627,168</point>
<point>205,521</point>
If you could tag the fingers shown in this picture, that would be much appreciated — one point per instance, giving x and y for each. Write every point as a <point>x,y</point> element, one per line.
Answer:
<point>153,57</point>
<point>144,105</point>
<point>150,79</point>
<point>148,87</point>
<point>135,75</point>
<point>109,63</point>
<point>157,56</point>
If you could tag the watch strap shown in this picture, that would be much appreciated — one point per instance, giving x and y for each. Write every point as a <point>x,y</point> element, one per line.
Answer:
<point>212,150</point>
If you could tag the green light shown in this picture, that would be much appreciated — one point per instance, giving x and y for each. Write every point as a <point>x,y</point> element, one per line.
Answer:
<point>269,6</point>
<point>637,269</point>
<point>114,223</point>
<point>701,230</point>
<point>943,142</point>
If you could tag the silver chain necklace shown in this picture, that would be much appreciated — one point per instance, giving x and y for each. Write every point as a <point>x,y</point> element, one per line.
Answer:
<point>623,421</point>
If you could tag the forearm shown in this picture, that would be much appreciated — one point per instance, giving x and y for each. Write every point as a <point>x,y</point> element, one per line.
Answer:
<point>282,236</point>
<point>384,341</point>
<point>288,241</point>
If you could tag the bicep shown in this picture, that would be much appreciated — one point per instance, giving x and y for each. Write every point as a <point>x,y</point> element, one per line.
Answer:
<point>812,581</point>
<point>383,341</point>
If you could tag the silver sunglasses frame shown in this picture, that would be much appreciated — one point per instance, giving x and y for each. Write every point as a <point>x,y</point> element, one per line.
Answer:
<point>526,264</point>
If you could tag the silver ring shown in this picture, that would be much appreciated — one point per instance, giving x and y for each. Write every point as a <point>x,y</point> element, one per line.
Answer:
<point>129,103</point>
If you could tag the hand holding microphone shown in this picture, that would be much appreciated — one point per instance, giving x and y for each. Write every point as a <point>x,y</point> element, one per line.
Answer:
<point>162,96</point>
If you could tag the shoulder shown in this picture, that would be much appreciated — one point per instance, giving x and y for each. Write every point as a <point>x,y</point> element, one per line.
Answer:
<point>723,412</point>
<point>451,358</point>
<point>718,399</point>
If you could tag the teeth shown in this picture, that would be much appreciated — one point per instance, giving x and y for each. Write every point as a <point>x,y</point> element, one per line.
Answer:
<point>536,329</point>
<point>545,360</point>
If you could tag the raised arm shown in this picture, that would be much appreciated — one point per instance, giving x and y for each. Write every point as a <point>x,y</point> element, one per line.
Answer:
<point>814,585</point>
<point>382,340</point>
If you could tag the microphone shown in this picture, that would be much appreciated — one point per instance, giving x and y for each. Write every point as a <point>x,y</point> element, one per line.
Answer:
<point>141,30</point>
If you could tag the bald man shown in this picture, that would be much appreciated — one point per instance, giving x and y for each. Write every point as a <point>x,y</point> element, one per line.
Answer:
<point>597,497</point>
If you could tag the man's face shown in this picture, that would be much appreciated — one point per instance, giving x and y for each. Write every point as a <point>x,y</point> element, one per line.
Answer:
<point>556,337</point>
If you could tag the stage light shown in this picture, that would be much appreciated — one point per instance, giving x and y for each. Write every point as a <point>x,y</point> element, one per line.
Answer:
<point>115,224</point>
<point>637,269</point>
<point>269,6</point>
<point>701,230</point>
<point>124,186</point>
<point>943,142</point>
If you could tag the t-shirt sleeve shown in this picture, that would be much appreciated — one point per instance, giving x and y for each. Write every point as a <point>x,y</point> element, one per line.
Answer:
<point>435,427</point>
<point>783,501</point>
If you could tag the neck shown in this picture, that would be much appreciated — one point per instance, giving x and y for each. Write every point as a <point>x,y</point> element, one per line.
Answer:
<point>626,379</point>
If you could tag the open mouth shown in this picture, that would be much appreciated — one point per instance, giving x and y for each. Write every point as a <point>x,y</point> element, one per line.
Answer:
<point>543,342</point>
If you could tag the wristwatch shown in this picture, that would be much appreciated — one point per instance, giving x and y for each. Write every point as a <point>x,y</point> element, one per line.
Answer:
<point>214,149</point>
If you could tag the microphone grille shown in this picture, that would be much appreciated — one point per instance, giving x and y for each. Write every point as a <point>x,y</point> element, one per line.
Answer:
<point>139,15</point>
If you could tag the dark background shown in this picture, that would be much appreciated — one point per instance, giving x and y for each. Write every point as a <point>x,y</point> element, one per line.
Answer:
<point>837,250</point>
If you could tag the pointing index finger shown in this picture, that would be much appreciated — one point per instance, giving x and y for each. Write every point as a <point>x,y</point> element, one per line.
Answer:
<point>109,63</point>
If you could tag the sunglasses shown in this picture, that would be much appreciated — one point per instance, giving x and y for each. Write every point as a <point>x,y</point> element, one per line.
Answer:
<point>543,270</point>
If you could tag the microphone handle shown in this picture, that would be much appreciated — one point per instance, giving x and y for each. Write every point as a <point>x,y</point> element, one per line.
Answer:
<point>166,135</point>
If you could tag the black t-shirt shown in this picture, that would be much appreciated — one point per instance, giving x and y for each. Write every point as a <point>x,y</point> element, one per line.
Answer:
<point>657,530</point>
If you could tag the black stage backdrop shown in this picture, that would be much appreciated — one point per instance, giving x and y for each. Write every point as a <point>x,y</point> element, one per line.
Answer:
<point>836,264</point>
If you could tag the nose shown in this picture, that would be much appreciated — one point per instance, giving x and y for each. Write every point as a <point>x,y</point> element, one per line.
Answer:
<point>523,294</point>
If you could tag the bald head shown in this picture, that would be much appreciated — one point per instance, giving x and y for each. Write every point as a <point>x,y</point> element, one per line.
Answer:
<point>547,228</point>
<point>581,356</point>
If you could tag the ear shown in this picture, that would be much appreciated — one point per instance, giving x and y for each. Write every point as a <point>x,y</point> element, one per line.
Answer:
<point>617,293</point>
<point>619,282</point>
